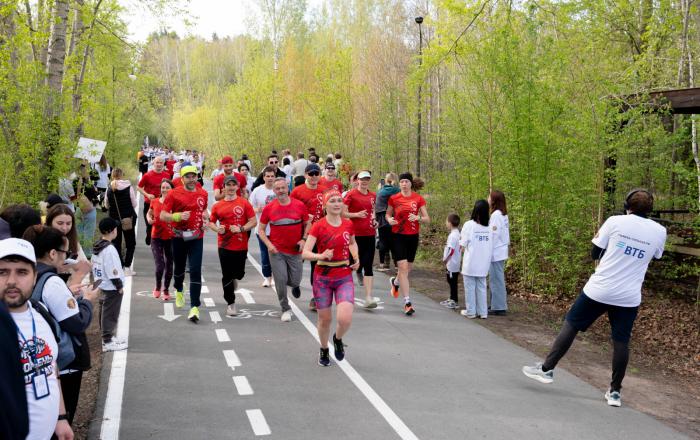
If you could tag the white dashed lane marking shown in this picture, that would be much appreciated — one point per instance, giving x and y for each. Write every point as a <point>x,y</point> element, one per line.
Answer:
<point>222,335</point>
<point>258,422</point>
<point>242,386</point>
<point>208,302</point>
<point>215,317</point>
<point>232,359</point>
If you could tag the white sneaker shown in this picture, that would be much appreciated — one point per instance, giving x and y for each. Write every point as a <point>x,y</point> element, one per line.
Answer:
<point>128,272</point>
<point>614,398</point>
<point>286,316</point>
<point>231,310</point>
<point>266,282</point>
<point>114,346</point>
<point>465,313</point>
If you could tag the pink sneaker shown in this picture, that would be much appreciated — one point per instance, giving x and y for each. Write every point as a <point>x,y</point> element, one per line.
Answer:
<point>166,295</point>
<point>156,293</point>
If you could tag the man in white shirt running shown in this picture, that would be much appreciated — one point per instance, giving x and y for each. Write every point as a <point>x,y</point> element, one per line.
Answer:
<point>625,245</point>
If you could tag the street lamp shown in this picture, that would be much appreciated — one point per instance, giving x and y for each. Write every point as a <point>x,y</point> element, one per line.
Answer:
<point>419,21</point>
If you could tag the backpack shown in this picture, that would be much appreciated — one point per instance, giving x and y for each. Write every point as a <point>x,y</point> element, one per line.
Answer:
<point>66,352</point>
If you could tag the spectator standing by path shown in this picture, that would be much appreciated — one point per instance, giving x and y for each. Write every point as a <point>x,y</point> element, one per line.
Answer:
<point>71,306</point>
<point>161,243</point>
<point>232,219</point>
<point>359,209</point>
<point>185,207</point>
<point>149,187</point>
<point>477,241</point>
<point>334,238</point>
<point>37,345</point>
<point>451,258</point>
<point>405,213</point>
<point>229,170</point>
<point>289,224</point>
<point>274,162</point>
<point>501,240</point>
<point>311,195</point>
<point>104,171</point>
<point>387,190</point>
<point>107,267</point>
<point>61,217</point>
<point>260,198</point>
<point>122,205</point>
<point>87,198</point>
<point>625,245</point>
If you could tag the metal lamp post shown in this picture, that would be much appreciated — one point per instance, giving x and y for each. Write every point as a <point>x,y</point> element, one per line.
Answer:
<point>419,21</point>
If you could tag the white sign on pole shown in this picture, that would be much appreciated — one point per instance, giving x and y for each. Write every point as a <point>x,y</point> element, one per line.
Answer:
<point>90,149</point>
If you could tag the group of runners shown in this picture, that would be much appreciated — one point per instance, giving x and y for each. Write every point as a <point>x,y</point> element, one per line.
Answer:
<point>317,221</point>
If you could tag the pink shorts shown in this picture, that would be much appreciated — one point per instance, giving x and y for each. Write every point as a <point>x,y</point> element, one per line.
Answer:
<point>326,288</point>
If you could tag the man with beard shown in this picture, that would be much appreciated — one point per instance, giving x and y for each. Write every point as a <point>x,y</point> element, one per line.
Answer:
<point>218,182</point>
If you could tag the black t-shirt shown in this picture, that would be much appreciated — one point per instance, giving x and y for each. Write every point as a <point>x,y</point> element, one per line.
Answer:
<point>14,421</point>
<point>143,164</point>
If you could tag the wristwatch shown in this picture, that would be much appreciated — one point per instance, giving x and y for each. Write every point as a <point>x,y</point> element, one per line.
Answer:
<point>62,417</point>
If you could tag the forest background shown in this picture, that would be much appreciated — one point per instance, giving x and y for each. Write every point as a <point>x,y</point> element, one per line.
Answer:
<point>540,99</point>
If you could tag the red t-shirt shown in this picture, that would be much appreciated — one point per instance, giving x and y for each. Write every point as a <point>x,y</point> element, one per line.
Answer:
<point>169,165</point>
<point>336,238</point>
<point>177,182</point>
<point>286,224</point>
<point>330,184</point>
<point>403,206</point>
<point>232,213</point>
<point>151,181</point>
<point>160,229</point>
<point>181,200</point>
<point>218,182</point>
<point>311,198</point>
<point>356,202</point>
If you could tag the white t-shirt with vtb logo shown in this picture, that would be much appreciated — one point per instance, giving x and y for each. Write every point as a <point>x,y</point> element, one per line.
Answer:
<point>630,242</point>
<point>477,241</point>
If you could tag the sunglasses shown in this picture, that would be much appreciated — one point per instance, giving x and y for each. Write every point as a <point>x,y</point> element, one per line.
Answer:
<point>273,162</point>
<point>69,256</point>
<point>314,173</point>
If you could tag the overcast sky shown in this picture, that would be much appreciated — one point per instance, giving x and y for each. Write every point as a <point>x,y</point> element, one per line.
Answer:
<point>225,17</point>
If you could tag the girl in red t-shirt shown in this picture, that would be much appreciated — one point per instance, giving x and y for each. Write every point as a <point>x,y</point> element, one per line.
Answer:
<point>334,239</point>
<point>405,213</point>
<point>161,244</point>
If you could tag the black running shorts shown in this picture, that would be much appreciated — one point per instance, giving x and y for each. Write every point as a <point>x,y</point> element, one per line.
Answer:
<point>404,247</point>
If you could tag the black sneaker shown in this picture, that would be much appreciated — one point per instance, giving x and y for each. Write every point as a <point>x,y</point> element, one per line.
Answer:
<point>338,348</point>
<point>324,358</point>
<point>148,241</point>
<point>296,292</point>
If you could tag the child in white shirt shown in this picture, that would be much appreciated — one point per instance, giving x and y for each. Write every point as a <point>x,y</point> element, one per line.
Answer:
<point>477,242</point>
<point>451,256</point>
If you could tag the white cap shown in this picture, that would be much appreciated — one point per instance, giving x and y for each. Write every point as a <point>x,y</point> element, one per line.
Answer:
<point>18,247</point>
<point>363,174</point>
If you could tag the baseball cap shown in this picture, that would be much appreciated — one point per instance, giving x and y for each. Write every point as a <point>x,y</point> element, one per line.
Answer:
<point>17,247</point>
<point>188,169</point>
<point>230,178</point>
<point>312,167</point>
<point>226,159</point>
<point>364,174</point>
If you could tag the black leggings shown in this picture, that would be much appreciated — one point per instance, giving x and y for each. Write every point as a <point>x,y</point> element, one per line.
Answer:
<point>453,281</point>
<point>129,243</point>
<point>365,249</point>
<point>384,244</point>
<point>621,354</point>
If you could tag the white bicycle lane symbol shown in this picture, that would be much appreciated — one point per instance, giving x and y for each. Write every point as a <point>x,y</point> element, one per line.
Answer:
<point>249,313</point>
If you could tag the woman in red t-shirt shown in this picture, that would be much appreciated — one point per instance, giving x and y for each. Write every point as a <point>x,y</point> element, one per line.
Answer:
<point>334,239</point>
<point>161,242</point>
<point>405,212</point>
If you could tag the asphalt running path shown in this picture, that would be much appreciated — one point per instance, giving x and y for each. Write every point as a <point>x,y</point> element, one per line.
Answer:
<point>435,375</point>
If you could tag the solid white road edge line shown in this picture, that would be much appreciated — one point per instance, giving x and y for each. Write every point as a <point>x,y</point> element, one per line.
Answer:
<point>384,410</point>
<point>222,335</point>
<point>242,386</point>
<point>257,422</point>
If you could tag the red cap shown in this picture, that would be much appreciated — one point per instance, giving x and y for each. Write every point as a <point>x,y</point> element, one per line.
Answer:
<point>226,159</point>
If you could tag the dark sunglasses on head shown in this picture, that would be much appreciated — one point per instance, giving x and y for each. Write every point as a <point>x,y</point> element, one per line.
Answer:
<point>314,173</point>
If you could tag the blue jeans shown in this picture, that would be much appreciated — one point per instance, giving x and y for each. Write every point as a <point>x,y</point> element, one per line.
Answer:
<point>86,230</point>
<point>497,286</point>
<point>264,259</point>
<point>182,252</point>
<point>475,295</point>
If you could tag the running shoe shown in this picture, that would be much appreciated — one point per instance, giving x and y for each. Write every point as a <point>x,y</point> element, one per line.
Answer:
<point>166,295</point>
<point>467,314</point>
<point>614,398</point>
<point>286,316</point>
<point>536,372</point>
<point>179,299</point>
<point>312,305</point>
<point>338,348</point>
<point>114,346</point>
<point>194,314</point>
<point>324,358</point>
<point>408,309</point>
<point>266,282</point>
<point>370,304</point>
<point>231,310</point>
<point>394,287</point>
<point>156,293</point>
<point>296,292</point>
<point>449,303</point>
<point>382,268</point>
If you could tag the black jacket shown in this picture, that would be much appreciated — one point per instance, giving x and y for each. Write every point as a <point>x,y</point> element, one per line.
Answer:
<point>14,421</point>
